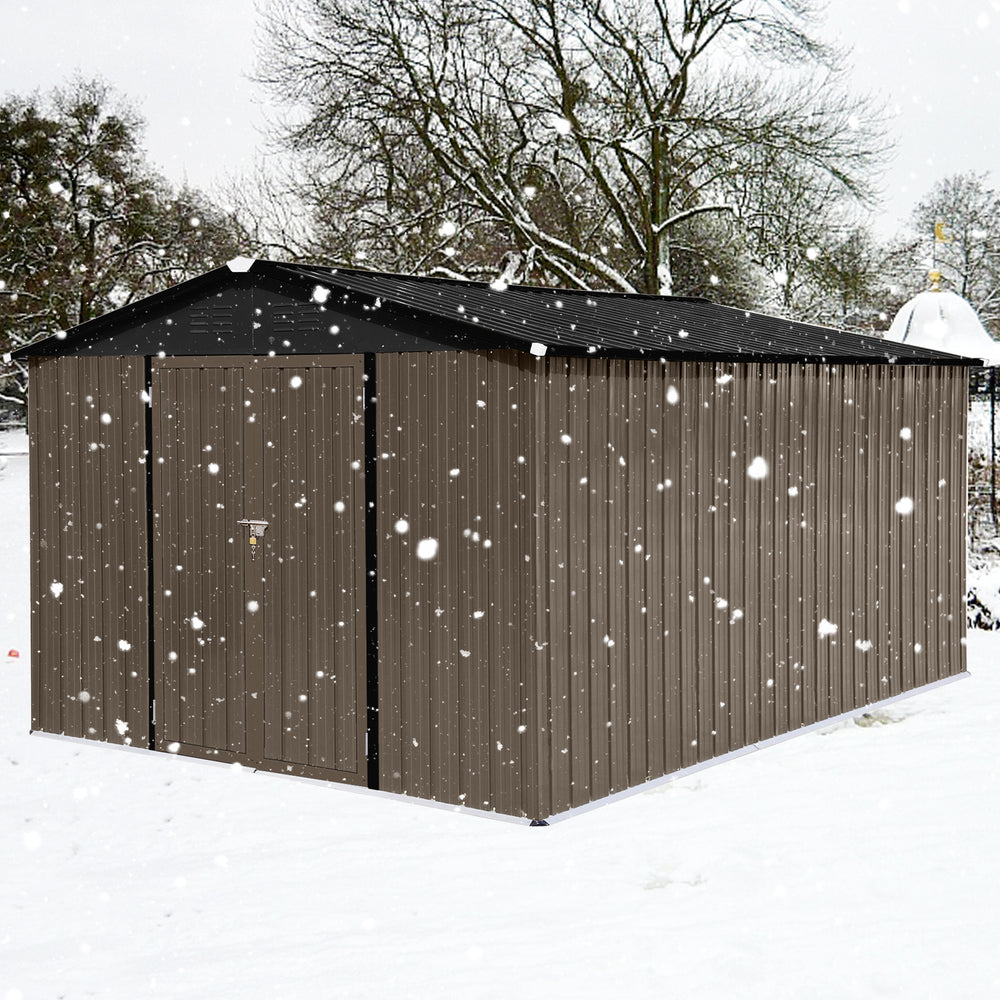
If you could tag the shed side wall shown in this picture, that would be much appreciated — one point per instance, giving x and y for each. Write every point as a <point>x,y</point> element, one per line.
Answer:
<point>454,711</point>
<point>686,608</point>
<point>89,656</point>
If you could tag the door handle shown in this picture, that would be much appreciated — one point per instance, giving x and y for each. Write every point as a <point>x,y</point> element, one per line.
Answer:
<point>256,529</point>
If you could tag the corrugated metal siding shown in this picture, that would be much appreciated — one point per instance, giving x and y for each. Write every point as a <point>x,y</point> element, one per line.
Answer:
<point>90,674</point>
<point>680,600</point>
<point>455,718</point>
<point>612,597</point>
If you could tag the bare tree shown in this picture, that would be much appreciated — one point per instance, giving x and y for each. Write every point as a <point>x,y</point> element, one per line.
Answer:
<point>957,230</point>
<point>570,140</point>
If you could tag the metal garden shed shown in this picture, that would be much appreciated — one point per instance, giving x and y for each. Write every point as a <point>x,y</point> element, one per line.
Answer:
<point>507,547</point>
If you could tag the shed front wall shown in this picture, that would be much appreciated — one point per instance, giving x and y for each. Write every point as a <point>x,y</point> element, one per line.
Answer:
<point>721,559</point>
<point>89,580</point>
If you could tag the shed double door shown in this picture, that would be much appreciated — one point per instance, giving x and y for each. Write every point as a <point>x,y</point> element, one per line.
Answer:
<point>259,650</point>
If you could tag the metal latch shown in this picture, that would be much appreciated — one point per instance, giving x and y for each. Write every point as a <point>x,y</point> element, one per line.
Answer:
<point>256,529</point>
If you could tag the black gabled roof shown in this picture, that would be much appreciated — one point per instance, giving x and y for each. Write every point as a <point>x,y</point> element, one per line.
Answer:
<point>619,324</point>
<point>438,313</point>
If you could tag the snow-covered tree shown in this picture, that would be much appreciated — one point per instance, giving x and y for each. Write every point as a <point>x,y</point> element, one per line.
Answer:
<point>86,225</point>
<point>579,142</point>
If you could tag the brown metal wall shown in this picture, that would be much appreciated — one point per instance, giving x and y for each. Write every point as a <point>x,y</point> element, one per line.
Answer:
<point>89,659</point>
<point>455,709</point>
<point>680,600</point>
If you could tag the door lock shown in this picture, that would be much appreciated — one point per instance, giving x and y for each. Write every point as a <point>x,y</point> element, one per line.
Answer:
<point>256,529</point>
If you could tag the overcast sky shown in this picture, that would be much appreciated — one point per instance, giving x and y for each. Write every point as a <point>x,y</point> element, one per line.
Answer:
<point>185,64</point>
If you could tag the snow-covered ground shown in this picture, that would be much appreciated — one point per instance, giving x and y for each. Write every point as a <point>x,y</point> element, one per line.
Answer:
<point>857,862</point>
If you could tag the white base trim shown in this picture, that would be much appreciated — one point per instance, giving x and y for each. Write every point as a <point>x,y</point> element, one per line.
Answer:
<point>502,817</point>
<point>751,748</point>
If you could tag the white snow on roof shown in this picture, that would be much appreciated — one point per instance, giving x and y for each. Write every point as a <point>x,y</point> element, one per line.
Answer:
<point>943,321</point>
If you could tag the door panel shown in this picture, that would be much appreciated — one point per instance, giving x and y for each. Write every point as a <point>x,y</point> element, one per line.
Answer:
<point>198,494</point>
<point>261,659</point>
<point>314,585</point>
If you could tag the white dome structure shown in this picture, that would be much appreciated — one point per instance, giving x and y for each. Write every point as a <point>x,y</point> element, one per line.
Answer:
<point>943,321</point>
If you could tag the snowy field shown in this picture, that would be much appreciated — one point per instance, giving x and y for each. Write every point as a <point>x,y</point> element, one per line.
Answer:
<point>855,862</point>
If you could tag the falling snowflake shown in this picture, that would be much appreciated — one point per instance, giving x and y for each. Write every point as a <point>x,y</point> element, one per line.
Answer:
<point>757,469</point>
<point>904,505</point>
<point>427,548</point>
<point>827,628</point>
